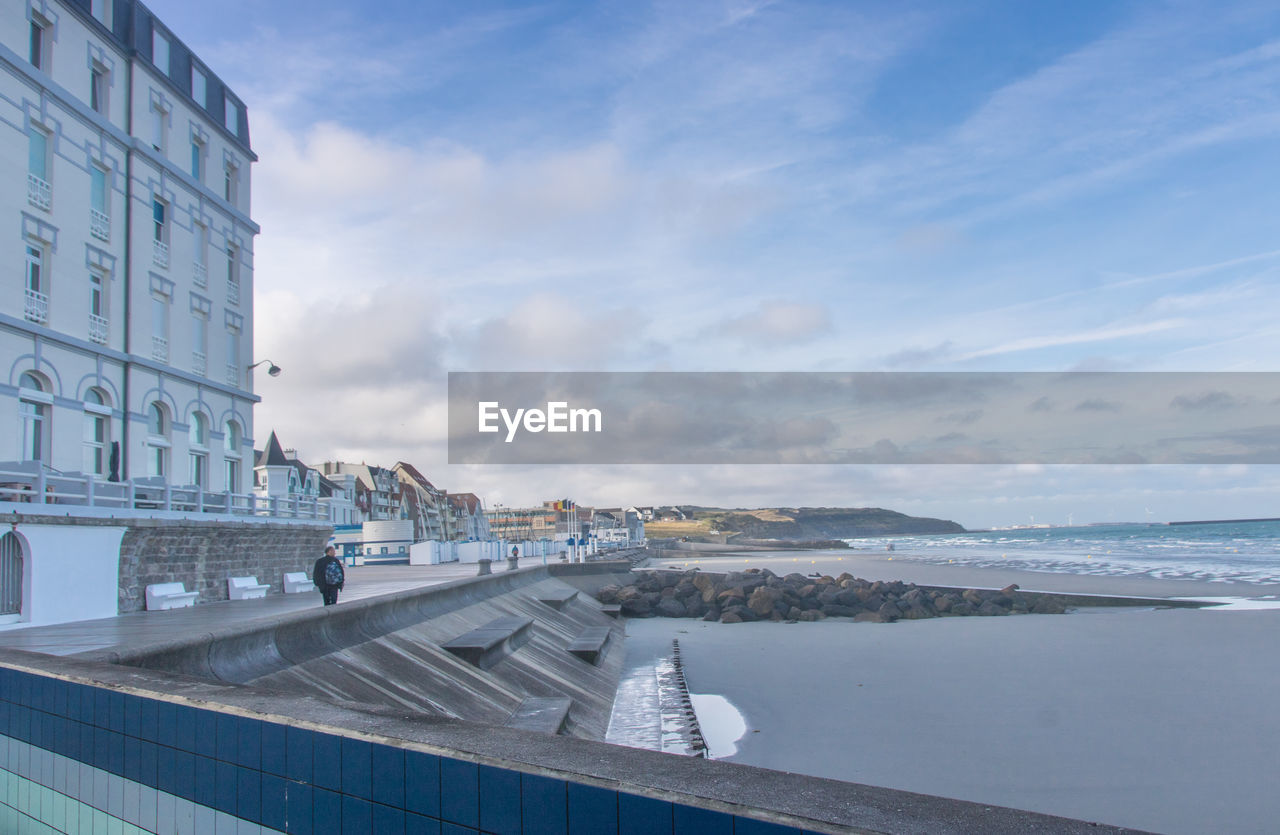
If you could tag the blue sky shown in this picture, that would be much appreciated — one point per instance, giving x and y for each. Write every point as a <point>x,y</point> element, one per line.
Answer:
<point>754,185</point>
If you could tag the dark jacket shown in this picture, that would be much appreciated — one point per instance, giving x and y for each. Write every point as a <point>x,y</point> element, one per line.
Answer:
<point>317,572</point>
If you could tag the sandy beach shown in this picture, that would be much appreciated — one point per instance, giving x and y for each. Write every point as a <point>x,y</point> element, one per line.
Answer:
<point>1157,719</point>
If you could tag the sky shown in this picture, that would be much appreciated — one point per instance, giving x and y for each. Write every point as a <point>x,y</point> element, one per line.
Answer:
<point>756,186</point>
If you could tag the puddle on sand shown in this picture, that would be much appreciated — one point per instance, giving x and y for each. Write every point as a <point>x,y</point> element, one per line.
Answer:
<point>722,724</point>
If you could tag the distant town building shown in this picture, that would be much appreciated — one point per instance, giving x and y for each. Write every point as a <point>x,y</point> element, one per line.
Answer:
<point>278,476</point>
<point>126,328</point>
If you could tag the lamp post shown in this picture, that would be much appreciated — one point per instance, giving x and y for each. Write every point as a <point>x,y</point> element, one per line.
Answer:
<point>272,368</point>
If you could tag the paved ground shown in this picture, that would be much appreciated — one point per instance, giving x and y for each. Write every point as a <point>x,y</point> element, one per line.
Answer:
<point>152,627</point>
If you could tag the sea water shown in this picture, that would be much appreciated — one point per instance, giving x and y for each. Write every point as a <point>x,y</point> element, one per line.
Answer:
<point>1247,552</point>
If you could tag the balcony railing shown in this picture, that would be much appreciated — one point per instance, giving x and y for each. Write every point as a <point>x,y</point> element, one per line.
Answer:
<point>36,308</point>
<point>199,363</point>
<point>160,254</point>
<point>99,225</point>
<point>160,348</point>
<point>233,375</point>
<point>97,329</point>
<point>39,192</point>
<point>29,482</point>
<point>233,291</point>
<point>199,274</point>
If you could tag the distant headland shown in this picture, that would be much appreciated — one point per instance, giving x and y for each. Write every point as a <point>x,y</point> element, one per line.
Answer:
<point>789,524</point>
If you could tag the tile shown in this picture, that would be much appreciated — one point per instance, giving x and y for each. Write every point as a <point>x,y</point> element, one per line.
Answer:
<point>132,759</point>
<point>184,728</point>
<point>115,753</point>
<point>101,789</point>
<point>499,794</point>
<point>388,775</point>
<point>249,794</point>
<point>690,820</point>
<point>225,785</point>
<point>147,800</point>
<point>166,721</point>
<point>228,735</point>
<point>148,763</point>
<point>84,752</point>
<point>388,820</point>
<point>101,748</point>
<point>543,805</point>
<point>298,754</point>
<point>273,802</point>
<point>224,824</point>
<point>206,733</point>
<point>422,783</point>
<point>459,792</point>
<point>115,796</point>
<point>166,779</point>
<point>454,829</point>
<point>205,781</point>
<point>184,774</point>
<point>326,812</point>
<point>750,826</point>
<point>327,761</point>
<point>115,711</point>
<point>244,827</point>
<point>132,799</point>
<point>297,808</point>
<point>357,816</point>
<point>184,814</point>
<point>357,767</point>
<point>166,815</point>
<point>643,815</point>
<point>132,716</point>
<point>148,723</point>
<point>249,742</point>
<point>206,819</point>
<point>273,749</point>
<point>592,809</point>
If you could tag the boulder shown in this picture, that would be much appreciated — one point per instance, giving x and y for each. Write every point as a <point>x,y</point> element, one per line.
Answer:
<point>835,610</point>
<point>991,609</point>
<point>741,612</point>
<point>609,593</point>
<point>869,617</point>
<point>636,607</point>
<point>811,615</point>
<point>671,607</point>
<point>712,614</point>
<point>731,617</point>
<point>696,608</point>
<point>762,601</point>
<point>889,611</point>
<point>1048,605</point>
<point>1009,589</point>
<point>794,613</point>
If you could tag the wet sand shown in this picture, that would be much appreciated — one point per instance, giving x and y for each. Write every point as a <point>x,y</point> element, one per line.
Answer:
<point>1156,719</point>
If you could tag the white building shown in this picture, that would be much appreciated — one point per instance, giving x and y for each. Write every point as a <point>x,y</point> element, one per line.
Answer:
<point>126,314</point>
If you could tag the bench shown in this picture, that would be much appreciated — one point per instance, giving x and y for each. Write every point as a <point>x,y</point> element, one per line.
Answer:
<point>541,713</point>
<point>558,598</point>
<point>245,588</point>
<point>169,596</point>
<point>589,645</point>
<point>296,582</point>
<point>490,643</point>
<point>613,610</point>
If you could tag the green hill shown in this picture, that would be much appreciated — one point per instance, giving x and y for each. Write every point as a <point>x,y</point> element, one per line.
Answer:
<point>810,523</point>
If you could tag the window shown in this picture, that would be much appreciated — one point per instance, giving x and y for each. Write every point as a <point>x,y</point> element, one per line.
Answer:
<point>97,424</point>
<point>98,189</point>
<point>231,454</point>
<point>233,275</point>
<point>160,327</point>
<point>233,352</point>
<point>98,89</point>
<point>158,132</point>
<point>38,153</point>
<point>197,159</point>
<point>230,183</point>
<point>36,305</point>
<point>198,446</point>
<point>33,414</point>
<point>101,10</point>
<point>97,308</point>
<point>232,114</point>
<point>157,440</point>
<point>39,46</point>
<point>95,294</point>
<point>160,50</point>
<point>159,217</point>
<point>199,342</point>
<point>199,86</point>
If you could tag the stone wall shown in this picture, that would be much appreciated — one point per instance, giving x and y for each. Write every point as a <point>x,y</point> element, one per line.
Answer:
<point>202,555</point>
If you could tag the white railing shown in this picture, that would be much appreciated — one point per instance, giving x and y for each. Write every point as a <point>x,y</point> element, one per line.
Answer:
<point>160,348</point>
<point>199,364</point>
<point>199,274</point>
<point>36,308</point>
<point>233,291</point>
<point>28,482</point>
<point>99,225</point>
<point>160,254</point>
<point>97,329</point>
<point>39,192</point>
<point>233,375</point>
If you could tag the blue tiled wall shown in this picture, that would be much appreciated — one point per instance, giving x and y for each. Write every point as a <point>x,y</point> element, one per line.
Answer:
<point>294,780</point>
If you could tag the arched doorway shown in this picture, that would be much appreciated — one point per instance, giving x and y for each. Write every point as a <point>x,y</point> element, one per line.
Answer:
<point>10,575</point>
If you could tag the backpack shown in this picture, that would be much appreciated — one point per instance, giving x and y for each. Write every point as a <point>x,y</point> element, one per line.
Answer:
<point>333,573</point>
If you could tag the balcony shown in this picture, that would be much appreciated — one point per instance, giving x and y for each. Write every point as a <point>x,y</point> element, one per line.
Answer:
<point>39,192</point>
<point>36,308</point>
<point>97,329</point>
<point>160,348</point>
<point>199,274</point>
<point>233,375</point>
<point>99,225</point>
<point>199,363</point>
<point>160,254</point>
<point>233,291</point>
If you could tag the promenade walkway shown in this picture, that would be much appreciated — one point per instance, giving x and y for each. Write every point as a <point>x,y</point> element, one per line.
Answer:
<point>142,628</point>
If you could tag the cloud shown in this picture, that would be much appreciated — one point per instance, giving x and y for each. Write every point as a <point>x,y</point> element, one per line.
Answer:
<point>1104,334</point>
<point>916,357</point>
<point>1097,404</point>
<point>778,322</point>
<point>1208,400</point>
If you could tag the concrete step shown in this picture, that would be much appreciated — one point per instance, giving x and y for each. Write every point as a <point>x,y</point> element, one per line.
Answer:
<point>541,713</point>
<point>613,610</point>
<point>557,599</point>
<point>490,643</point>
<point>589,645</point>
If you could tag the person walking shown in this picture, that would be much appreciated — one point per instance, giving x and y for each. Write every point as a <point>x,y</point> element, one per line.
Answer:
<point>329,576</point>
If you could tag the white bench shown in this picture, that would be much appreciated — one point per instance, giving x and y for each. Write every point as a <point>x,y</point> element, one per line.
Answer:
<point>296,582</point>
<point>245,588</point>
<point>169,596</point>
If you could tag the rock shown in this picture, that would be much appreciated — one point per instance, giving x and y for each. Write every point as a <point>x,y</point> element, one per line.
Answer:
<point>991,609</point>
<point>1048,605</point>
<point>810,615</point>
<point>942,604</point>
<point>868,617</point>
<point>636,607</point>
<point>706,584</point>
<point>962,608</point>
<point>741,612</point>
<point>713,614</point>
<point>794,613</point>
<point>731,617</point>
<point>889,611</point>
<point>973,597</point>
<point>628,593</point>
<point>835,610</point>
<point>731,597</point>
<point>796,579</point>
<point>609,593</point>
<point>696,608</point>
<point>917,612</point>
<point>762,601</point>
<point>668,591</point>
<point>848,597</point>
<point>1009,589</point>
<point>810,590</point>
<point>670,607</point>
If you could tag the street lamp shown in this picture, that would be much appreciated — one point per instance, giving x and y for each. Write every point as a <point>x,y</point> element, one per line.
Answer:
<point>272,368</point>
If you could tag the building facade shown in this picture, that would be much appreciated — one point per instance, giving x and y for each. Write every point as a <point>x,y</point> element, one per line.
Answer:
<point>126,315</point>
